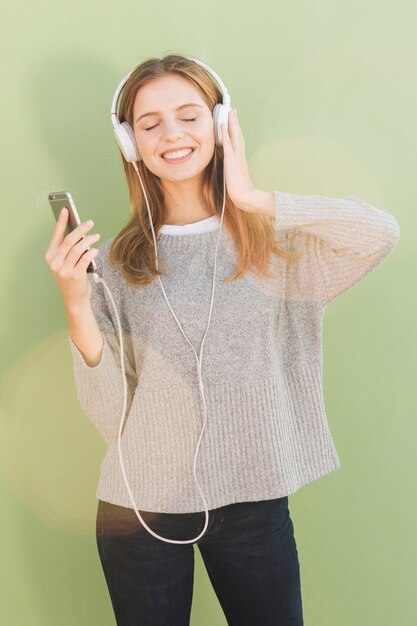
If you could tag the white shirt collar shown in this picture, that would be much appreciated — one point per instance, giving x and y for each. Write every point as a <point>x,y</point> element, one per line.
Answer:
<point>202,226</point>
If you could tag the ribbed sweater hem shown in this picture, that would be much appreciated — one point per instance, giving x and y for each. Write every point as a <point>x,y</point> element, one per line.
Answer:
<point>285,444</point>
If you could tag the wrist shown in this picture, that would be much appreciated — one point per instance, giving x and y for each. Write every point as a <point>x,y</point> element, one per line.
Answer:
<point>259,202</point>
<point>76,308</point>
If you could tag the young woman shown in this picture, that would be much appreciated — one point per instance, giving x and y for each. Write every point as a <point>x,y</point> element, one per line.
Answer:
<point>254,397</point>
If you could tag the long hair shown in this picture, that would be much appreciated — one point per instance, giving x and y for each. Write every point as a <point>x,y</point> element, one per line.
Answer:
<point>133,247</point>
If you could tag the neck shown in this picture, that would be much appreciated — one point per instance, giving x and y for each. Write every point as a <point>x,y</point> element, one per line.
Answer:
<point>184,203</point>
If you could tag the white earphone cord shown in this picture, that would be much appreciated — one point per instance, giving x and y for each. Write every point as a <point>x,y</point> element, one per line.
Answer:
<point>97,278</point>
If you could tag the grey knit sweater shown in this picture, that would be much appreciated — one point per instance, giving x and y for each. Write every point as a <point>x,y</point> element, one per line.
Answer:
<point>267,432</point>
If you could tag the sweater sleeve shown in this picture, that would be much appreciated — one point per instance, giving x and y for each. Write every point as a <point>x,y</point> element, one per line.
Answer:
<point>100,387</point>
<point>344,238</point>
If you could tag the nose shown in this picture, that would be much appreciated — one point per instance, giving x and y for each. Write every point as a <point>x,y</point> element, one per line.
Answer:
<point>171,131</point>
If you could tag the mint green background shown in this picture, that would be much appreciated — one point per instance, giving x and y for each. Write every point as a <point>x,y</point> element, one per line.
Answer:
<point>326,98</point>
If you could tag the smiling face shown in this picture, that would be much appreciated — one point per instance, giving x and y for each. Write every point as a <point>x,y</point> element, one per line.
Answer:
<point>172,126</point>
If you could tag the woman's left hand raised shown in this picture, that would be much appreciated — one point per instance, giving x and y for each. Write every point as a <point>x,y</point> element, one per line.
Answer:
<point>238,183</point>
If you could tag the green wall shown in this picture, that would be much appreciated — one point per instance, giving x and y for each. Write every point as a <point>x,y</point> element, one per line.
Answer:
<point>326,97</point>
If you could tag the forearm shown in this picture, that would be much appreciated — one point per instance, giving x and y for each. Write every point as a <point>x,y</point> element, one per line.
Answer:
<point>85,333</point>
<point>260,202</point>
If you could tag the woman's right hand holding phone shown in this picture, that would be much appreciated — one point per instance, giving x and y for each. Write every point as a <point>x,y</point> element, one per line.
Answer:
<point>68,257</point>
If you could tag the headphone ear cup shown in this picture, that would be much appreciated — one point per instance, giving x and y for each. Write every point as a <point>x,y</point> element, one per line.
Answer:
<point>127,143</point>
<point>220,116</point>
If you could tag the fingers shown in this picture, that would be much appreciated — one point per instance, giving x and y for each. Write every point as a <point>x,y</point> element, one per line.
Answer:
<point>64,263</point>
<point>85,260</point>
<point>57,235</point>
<point>61,244</point>
<point>236,130</point>
<point>76,236</point>
<point>81,254</point>
<point>59,230</point>
<point>233,134</point>
<point>225,137</point>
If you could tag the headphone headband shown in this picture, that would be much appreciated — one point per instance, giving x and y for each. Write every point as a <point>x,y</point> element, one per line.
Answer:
<point>225,93</point>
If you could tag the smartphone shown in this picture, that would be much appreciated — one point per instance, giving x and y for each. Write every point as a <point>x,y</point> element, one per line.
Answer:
<point>60,199</point>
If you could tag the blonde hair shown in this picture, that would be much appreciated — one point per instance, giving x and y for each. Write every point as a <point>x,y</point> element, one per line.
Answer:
<point>133,247</point>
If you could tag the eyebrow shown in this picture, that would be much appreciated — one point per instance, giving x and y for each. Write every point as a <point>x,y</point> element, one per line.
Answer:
<point>182,106</point>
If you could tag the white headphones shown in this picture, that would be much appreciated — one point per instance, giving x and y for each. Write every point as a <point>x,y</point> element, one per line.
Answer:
<point>126,139</point>
<point>124,132</point>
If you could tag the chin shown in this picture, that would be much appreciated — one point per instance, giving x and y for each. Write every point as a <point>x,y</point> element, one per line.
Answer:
<point>182,178</point>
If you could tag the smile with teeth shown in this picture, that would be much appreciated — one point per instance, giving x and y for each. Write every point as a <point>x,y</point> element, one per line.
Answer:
<point>181,154</point>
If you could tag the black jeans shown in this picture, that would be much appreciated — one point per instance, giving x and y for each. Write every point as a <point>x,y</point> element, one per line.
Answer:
<point>248,549</point>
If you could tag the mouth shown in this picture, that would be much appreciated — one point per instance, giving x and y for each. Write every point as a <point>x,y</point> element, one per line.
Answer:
<point>182,159</point>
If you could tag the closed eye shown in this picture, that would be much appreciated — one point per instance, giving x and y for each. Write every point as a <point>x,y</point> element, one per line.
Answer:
<point>190,120</point>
